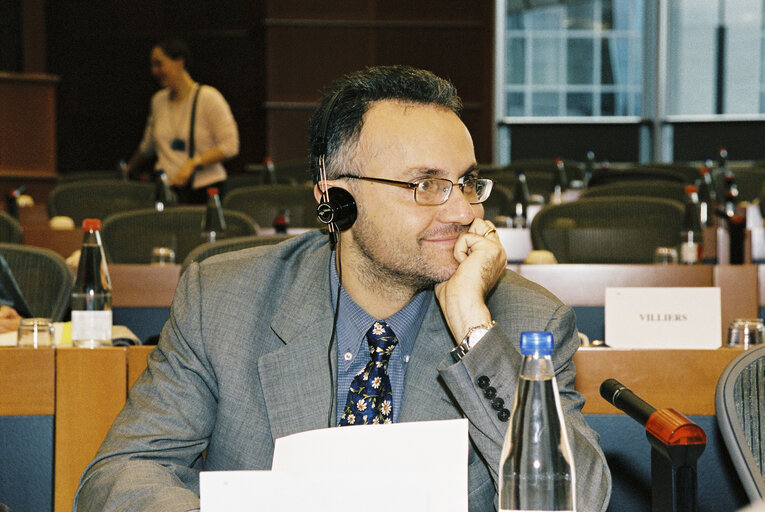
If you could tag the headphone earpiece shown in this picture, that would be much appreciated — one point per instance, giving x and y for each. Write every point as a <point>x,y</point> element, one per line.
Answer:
<point>339,210</point>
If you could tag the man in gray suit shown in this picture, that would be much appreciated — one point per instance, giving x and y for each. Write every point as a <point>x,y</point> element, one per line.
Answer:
<point>267,342</point>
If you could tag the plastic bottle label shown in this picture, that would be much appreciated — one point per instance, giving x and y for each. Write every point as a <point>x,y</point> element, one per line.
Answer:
<point>91,325</point>
<point>689,252</point>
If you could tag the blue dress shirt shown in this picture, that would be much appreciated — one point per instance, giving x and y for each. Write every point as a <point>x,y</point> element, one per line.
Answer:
<point>352,347</point>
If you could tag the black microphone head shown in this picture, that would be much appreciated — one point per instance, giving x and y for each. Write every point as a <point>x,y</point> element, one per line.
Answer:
<point>610,389</point>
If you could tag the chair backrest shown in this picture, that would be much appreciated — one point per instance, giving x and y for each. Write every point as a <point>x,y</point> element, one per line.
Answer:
<point>604,176</point>
<point>10,229</point>
<point>648,188</point>
<point>98,199</point>
<point>499,203</point>
<point>105,174</point>
<point>264,202</point>
<point>292,171</point>
<point>43,277</point>
<point>691,172</point>
<point>740,411</point>
<point>129,237</point>
<point>608,229</point>
<point>749,182</point>
<point>204,251</point>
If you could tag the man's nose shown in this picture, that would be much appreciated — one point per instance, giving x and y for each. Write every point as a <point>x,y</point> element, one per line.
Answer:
<point>457,209</point>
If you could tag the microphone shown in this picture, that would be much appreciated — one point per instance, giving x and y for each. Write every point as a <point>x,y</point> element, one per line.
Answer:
<point>621,397</point>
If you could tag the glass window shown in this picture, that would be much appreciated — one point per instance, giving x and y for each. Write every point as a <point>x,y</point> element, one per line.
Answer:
<point>515,104</point>
<point>579,61</point>
<point>564,57</point>
<point>544,104</point>
<point>545,60</point>
<point>579,104</point>
<point>515,70</point>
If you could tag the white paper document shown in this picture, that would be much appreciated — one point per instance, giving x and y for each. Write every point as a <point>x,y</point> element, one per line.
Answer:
<point>674,317</point>
<point>406,467</point>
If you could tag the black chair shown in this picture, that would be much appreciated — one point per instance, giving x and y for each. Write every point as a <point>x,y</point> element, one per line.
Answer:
<point>43,277</point>
<point>608,229</point>
<point>648,188</point>
<point>500,203</point>
<point>105,174</point>
<point>691,172</point>
<point>264,202</point>
<point>295,172</point>
<point>605,176</point>
<point>98,199</point>
<point>129,237</point>
<point>10,229</point>
<point>740,411</point>
<point>749,182</point>
<point>204,251</point>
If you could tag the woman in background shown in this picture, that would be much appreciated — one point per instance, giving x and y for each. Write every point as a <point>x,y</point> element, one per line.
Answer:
<point>191,162</point>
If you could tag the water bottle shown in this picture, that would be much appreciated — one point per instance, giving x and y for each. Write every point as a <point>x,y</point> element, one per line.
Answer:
<point>163,196</point>
<point>214,224</point>
<point>537,466</point>
<point>691,246</point>
<point>282,222</point>
<point>270,169</point>
<point>92,292</point>
<point>12,201</point>
<point>522,199</point>
<point>560,182</point>
<point>706,197</point>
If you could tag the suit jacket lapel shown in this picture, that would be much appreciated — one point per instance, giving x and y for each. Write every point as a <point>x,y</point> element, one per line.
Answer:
<point>425,396</point>
<point>295,378</point>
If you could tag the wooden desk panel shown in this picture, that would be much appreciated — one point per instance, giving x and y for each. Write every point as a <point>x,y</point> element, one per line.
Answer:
<point>585,284</point>
<point>684,380</point>
<point>738,293</point>
<point>62,241</point>
<point>136,362</point>
<point>143,285</point>
<point>90,392</point>
<point>27,385</point>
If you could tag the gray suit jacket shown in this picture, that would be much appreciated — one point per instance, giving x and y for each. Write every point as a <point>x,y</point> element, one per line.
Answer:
<point>242,361</point>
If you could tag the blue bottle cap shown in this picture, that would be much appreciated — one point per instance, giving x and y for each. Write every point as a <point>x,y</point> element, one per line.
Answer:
<point>536,343</point>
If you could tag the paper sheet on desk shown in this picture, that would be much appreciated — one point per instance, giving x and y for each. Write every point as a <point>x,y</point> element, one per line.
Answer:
<point>424,462</point>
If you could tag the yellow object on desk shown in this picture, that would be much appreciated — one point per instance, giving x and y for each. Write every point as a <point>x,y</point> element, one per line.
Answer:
<point>62,336</point>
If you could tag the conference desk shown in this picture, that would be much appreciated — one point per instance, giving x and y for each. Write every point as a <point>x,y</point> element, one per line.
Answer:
<point>56,406</point>
<point>142,294</point>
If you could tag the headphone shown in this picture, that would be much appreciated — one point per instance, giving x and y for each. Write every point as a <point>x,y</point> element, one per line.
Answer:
<point>337,208</point>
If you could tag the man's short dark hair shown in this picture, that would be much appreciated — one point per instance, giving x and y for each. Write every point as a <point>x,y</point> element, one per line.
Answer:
<point>350,98</point>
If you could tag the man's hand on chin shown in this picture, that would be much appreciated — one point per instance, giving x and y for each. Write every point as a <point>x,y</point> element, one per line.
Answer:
<point>482,260</point>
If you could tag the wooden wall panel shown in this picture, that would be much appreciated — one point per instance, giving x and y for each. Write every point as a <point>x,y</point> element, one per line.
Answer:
<point>310,44</point>
<point>303,59</point>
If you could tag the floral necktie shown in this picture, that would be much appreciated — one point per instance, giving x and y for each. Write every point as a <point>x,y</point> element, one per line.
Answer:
<point>370,400</point>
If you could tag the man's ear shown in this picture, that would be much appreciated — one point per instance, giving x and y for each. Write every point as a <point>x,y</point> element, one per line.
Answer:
<point>317,192</point>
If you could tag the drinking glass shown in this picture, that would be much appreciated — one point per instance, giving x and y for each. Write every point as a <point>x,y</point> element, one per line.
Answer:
<point>745,332</point>
<point>35,333</point>
<point>162,256</point>
<point>665,255</point>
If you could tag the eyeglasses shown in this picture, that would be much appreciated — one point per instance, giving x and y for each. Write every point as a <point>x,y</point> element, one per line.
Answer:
<point>435,191</point>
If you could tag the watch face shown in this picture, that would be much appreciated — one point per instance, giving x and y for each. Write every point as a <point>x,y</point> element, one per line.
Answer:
<point>476,335</point>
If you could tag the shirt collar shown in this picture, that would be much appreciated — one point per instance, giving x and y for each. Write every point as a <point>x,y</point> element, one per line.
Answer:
<point>353,322</point>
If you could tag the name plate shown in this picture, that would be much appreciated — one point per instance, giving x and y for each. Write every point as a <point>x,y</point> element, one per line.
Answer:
<point>672,318</point>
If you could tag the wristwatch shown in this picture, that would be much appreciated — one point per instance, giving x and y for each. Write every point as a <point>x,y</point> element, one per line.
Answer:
<point>471,339</point>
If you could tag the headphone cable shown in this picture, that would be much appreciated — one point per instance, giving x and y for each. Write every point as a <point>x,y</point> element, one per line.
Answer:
<point>332,336</point>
